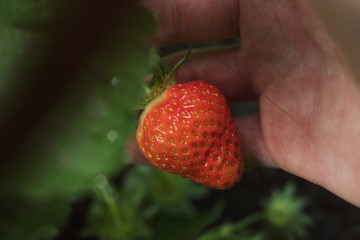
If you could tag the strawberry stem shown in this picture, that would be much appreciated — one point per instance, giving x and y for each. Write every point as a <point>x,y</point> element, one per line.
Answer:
<point>162,79</point>
<point>177,66</point>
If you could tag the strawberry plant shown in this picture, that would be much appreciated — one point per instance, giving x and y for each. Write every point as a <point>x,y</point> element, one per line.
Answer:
<point>283,217</point>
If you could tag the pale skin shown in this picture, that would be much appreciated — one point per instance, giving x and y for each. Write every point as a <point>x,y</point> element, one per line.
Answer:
<point>309,119</point>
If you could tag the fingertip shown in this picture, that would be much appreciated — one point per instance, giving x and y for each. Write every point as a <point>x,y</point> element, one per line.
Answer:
<point>136,157</point>
<point>253,147</point>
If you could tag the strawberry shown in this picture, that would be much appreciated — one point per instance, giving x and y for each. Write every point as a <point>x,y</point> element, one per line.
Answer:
<point>188,130</point>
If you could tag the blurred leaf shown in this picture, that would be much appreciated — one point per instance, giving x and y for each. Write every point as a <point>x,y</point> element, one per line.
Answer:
<point>167,205</point>
<point>147,199</point>
<point>116,215</point>
<point>70,79</point>
<point>22,218</point>
<point>165,192</point>
<point>82,113</point>
<point>183,227</point>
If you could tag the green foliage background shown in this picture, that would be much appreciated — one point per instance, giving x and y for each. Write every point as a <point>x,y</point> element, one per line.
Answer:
<point>70,75</point>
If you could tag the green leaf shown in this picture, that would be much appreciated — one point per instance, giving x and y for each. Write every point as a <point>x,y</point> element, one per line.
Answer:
<point>70,79</point>
<point>165,192</point>
<point>82,113</point>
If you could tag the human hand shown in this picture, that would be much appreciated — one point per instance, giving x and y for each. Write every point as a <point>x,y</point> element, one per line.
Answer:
<point>309,120</point>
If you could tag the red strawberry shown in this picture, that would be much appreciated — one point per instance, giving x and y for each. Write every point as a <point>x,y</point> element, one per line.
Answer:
<point>188,130</point>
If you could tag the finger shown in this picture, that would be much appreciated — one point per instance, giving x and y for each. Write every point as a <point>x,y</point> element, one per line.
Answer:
<point>223,67</point>
<point>189,20</point>
<point>136,156</point>
<point>252,143</point>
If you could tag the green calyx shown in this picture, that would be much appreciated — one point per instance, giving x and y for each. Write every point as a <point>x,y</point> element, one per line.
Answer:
<point>163,77</point>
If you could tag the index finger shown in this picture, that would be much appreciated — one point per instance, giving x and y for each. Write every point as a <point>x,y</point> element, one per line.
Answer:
<point>189,20</point>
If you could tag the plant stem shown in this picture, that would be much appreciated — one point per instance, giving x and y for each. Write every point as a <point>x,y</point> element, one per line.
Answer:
<point>118,223</point>
<point>164,81</point>
<point>178,65</point>
<point>248,220</point>
<point>232,229</point>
